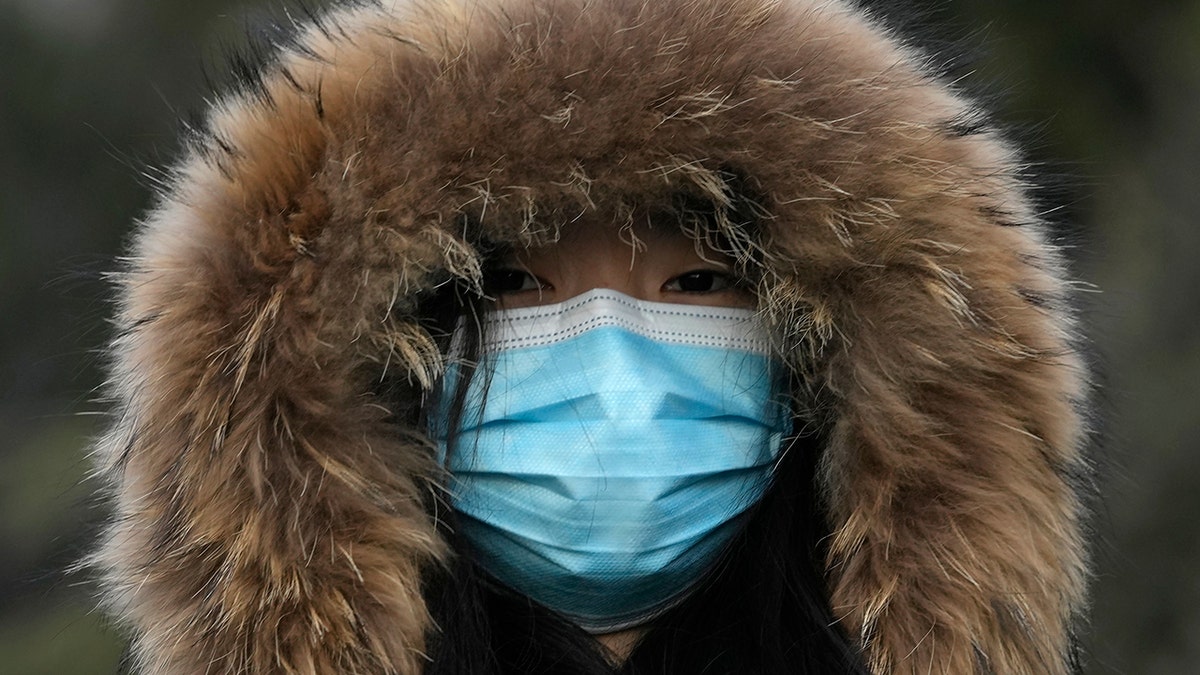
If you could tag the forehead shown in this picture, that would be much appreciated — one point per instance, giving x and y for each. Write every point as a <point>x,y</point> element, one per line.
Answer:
<point>638,238</point>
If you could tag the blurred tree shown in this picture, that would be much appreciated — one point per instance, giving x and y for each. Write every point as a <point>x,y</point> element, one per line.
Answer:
<point>93,94</point>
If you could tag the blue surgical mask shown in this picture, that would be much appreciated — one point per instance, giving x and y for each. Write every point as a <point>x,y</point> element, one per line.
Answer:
<point>609,449</point>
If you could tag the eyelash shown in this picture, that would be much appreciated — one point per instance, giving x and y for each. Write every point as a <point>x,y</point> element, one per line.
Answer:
<point>502,281</point>
<point>718,281</point>
<point>511,280</point>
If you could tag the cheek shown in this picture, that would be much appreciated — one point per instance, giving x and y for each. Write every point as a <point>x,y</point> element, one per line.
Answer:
<point>741,297</point>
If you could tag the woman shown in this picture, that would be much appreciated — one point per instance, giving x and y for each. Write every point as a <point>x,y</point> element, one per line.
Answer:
<point>338,448</point>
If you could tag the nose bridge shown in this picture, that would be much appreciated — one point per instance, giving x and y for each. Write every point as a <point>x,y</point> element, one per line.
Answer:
<point>608,261</point>
<point>619,360</point>
<point>627,390</point>
<point>615,354</point>
<point>609,270</point>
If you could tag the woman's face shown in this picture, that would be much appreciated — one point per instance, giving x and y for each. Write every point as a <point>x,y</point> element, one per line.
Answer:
<point>665,265</point>
<point>651,263</point>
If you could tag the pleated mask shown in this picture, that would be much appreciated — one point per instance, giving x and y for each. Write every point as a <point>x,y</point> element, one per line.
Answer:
<point>609,448</point>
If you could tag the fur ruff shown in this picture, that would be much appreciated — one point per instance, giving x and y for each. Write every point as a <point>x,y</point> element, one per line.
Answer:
<point>272,510</point>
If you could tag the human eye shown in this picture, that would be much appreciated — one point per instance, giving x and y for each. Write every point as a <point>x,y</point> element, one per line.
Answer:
<point>699,281</point>
<point>508,280</point>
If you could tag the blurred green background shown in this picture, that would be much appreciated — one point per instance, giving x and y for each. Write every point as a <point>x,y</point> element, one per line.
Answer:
<point>1107,90</point>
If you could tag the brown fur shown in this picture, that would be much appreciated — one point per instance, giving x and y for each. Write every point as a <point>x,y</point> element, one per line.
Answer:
<point>271,513</point>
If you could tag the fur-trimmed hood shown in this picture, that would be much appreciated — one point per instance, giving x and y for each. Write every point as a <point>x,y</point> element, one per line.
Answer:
<point>271,505</point>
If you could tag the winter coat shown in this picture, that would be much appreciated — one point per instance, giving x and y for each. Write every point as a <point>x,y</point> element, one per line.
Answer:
<point>271,506</point>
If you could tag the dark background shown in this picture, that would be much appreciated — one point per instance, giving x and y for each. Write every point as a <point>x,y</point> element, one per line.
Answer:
<point>91,92</point>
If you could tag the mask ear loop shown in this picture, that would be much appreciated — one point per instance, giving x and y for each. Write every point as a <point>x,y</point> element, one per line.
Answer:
<point>464,357</point>
<point>457,314</point>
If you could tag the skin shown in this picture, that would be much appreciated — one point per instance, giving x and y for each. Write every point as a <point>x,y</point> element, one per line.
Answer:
<point>665,266</point>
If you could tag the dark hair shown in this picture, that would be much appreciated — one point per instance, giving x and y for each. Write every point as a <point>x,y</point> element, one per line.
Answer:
<point>765,608</point>
<point>762,609</point>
